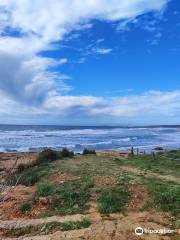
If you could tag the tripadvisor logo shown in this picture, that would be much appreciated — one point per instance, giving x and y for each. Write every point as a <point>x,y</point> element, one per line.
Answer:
<point>139,231</point>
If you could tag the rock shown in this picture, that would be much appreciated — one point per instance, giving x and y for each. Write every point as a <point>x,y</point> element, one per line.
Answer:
<point>43,200</point>
<point>158,149</point>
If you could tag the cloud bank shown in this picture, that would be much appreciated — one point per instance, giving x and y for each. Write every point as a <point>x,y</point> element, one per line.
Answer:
<point>30,81</point>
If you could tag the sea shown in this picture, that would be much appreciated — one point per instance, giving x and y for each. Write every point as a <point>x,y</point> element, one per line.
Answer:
<point>20,138</point>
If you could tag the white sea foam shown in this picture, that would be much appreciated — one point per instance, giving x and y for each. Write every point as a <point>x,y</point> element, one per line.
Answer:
<point>35,139</point>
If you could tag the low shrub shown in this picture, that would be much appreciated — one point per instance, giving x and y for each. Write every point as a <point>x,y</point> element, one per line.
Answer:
<point>158,148</point>
<point>47,155</point>
<point>45,189</point>
<point>21,167</point>
<point>112,201</point>
<point>25,207</point>
<point>66,153</point>
<point>29,179</point>
<point>88,151</point>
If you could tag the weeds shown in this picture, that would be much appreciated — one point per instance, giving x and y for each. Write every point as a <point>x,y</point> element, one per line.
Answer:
<point>124,179</point>
<point>69,197</point>
<point>166,196</point>
<point>45,189</point>
<point>47,228</point>
<point>25,207</point>
<point>112,201</point>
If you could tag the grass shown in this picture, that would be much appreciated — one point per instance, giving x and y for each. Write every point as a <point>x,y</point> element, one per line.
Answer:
<point>166,196</point>
<point>124,179</point>
<point>69,197</point>
<point>72,196</point>
<point>45,189</point>
<point>164,163</point>
<point>113,201</point>
<point>25,207</point>
<point>31,175</point>
<point>90,165</point>
<point>47,228</point>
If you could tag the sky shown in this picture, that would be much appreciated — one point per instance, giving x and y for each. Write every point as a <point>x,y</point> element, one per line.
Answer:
<point>90,62</point>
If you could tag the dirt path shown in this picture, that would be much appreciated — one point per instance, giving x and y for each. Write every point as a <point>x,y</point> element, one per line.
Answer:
<point>150,174</point>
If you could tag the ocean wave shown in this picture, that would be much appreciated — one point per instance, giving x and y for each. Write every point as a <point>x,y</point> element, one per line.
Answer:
<point>102,138</point>
<point>93,144</point>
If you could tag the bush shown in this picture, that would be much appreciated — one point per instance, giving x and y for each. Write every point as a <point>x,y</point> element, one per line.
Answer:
<point>158,149</point>
<point>112,201</point>
<point>87,151</point>
<point>21,167</point>
<point>45,189</point>
<point>66,153</point>
<point>25,207</point>
<point>29,179</point>
<point>47,155</point>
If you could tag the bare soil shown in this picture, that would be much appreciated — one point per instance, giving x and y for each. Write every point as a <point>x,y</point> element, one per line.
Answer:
<point>117,226</point>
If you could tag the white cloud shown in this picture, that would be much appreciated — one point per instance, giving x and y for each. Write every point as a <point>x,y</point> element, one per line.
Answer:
<point>103,51</point>
<point>26,78</point>
<point>149,105</point>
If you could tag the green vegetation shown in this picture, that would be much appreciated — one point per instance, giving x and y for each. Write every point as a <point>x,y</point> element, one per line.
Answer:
<point>108,176</point>
<point>88,151</point>
<point>47,228</point>
<point>47,155</point>
<point>30,174</point>
<point>25,207</point>
<point>89,165</point>
<point>65,153</point>
<point>166,196</point>
<point>21,167</point>
<point>45,189</point>
<point>158,148</point>
<point>119,161</point>
<point>164,163</point>
<point>69,197</point>
<point>30,179</point>
<point>114,200</point>
<point>124,179</point>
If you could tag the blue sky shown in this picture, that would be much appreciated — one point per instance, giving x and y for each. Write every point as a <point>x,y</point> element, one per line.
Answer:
<point>111,62</point>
